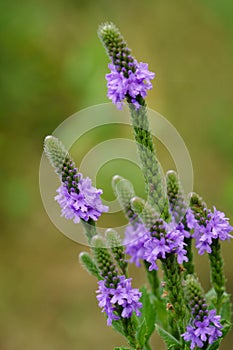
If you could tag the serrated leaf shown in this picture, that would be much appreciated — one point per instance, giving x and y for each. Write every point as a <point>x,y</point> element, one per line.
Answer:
<point>142,333</point>
<point>170,341</point>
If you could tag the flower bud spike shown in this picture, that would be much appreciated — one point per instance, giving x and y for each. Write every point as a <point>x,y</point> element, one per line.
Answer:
<point>209,230</point>
<point>124,192</point>
<point>145,211</point>
<point>204,326</point>
<point>130,80</point>
<point>118,250</point>
<point>103,259</point>
<point>194,294</point>
<point>179,209</point>
<point>78,199</point>
<point>177,202</point>
<point>89,265</point>
<point>56,153</point>
<point>116,47</point>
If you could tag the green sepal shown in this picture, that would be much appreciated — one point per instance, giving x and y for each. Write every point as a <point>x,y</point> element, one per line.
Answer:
<point>169,340</point>
<point>226,328</point>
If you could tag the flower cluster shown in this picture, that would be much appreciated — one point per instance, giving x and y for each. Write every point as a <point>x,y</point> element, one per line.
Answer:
<point>131,83</point>
<point>168,238</point>
<point>203,330</point>
<point>164,239</point>
<point>119,300</point>
<point>77,197</point>
<point>160,229</point>
<point>81,201</point>
<point>212,225</point>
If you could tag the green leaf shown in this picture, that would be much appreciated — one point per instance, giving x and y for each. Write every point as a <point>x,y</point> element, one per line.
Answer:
<point>226,311</point>
<point>226,327</point>
<point>121,348</point>
<point>211,297</point>
<point>117,325</point>
<point>214,346</point>
<point>148,313</point>
<point>170,341</point>
<point>142,333</point>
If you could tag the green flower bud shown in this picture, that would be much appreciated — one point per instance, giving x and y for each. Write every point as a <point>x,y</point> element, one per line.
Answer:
<point>89,265</point>
<point>103,259</point>
<point>124,192</point>
<point>178,205</point>
<point>118,251</point>
<point>56,153</point>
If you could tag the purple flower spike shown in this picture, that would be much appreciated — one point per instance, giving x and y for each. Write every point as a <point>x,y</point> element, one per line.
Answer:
<point>158,245</point>
<point>81,202</point>
<point>120,301</point>
<point>131,84</point>
<point>203,330</point>
<point>216,226</point>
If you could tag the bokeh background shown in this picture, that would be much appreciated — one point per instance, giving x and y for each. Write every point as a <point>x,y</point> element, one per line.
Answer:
<point>52,65</point>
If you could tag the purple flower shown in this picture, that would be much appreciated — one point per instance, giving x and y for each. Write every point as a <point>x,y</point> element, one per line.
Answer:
<point>80,202</point>
<point>169,239</point>
<point>219,226</point>
<point>203,329</point>
<point>155,249</point>
<point>132,83</point>
<point>135,237</point>
<point>215,226</point>
<point>190,335</point>
<point>117,86</point>
<point>190,219</point>
<point>119,301</point>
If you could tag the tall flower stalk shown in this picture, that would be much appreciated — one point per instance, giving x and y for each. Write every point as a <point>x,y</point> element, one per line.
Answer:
<point>162,232</point>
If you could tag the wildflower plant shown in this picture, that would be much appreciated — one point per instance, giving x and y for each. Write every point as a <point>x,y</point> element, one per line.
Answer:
<point>162,231</point>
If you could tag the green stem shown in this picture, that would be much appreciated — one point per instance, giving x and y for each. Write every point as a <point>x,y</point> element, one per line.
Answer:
<point>173,279</point>
<point>189,266</point>
<point>150,166</point>
<point>147,347</point>
<point>130,333</point>
<point>89,229</point>
<point>217,275</point>
<point>153,280</point>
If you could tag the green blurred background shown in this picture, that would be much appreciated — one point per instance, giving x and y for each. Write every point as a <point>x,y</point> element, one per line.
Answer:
<point>52,65</point>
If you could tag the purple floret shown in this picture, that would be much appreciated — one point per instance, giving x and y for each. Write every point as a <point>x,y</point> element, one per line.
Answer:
<point>159,245</point>
<point>216,226</point>
<point>204,331</point>
<point>134,83</point>
<point>81,202</point>
<point>135,237</point>
<point>119,302</point>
